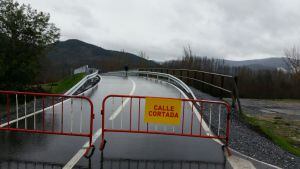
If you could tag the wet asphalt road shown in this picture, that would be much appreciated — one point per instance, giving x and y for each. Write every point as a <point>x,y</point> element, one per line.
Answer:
<point>122,150</point>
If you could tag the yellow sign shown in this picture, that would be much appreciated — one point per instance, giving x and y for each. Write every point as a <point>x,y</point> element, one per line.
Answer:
<point>162,111</point>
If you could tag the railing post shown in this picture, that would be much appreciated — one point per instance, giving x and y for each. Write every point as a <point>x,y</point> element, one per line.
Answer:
<point>195,77</point>
<point>202,86</point>
<point>180,74</point>
<point>188,77</point>
<point>211,82</point>
<point>222,85</point>
<point>236,93</point>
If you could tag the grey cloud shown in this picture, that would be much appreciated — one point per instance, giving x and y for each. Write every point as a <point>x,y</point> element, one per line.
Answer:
<point>232,29</point>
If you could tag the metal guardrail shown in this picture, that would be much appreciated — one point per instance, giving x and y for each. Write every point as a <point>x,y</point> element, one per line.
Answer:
<point>165,76</point>
<point>220,82</point>
<point>80,83</point>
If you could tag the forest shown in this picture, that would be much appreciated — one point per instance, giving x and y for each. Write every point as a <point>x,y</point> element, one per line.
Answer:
<point>267,84</point>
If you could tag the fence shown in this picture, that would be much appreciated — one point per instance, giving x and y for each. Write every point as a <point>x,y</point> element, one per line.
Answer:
<point>42,113</point>
<point>24,164</point>
<point>219,85</point>
<point>125,114</point>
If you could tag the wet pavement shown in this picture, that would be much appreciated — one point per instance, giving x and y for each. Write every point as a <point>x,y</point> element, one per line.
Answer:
<point>122,150</point>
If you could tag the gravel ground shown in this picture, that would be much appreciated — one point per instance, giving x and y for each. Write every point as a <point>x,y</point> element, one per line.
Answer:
<point>251,143</point>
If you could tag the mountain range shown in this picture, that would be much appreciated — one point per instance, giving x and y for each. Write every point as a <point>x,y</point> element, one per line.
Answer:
<point>64,56</point>
<point>257,64</point>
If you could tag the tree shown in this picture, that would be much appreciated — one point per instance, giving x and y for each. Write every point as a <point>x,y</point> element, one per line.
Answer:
<point>293,59</point>
<point>25,34</point>
<point>144,61</point>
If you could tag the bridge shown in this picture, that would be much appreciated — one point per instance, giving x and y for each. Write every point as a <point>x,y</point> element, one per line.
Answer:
<point>106,126</point>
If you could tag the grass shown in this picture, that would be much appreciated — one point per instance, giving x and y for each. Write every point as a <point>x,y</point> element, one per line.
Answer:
<point>284,133</point>
<point>63,85</point>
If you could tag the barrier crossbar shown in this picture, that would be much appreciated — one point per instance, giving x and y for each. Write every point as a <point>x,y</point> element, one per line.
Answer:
<point>45,113</point>
<point>125,114</point>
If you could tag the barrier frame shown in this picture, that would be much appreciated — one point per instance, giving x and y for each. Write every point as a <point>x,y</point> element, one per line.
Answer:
<point>43,95</point>
<point>193,101</point>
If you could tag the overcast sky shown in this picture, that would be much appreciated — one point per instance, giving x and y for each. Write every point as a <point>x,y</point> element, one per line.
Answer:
<point>230,29</point>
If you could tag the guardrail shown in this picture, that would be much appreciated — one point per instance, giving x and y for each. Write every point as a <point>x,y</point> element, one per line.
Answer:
<point>181,84</point>
<point>80,83</point>
<point>172,79</point>
<point>213,83</point>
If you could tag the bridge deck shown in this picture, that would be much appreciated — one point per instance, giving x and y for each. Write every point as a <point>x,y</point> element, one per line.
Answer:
<point>123,150</point>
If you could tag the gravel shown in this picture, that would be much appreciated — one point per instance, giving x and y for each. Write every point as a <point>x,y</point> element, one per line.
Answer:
<point>251,143</point>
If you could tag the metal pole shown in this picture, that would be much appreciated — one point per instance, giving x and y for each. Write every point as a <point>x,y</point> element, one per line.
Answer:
<point>17,110</point>
<point>236,92</point>
<point>222,85</point>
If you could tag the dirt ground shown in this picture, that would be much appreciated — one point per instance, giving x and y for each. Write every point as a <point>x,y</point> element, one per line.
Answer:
<point>281,116</point>
<point>286,109</point>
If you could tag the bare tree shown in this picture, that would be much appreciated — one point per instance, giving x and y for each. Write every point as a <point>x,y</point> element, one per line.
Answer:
<point>293,59</point>
<point>144,61</point>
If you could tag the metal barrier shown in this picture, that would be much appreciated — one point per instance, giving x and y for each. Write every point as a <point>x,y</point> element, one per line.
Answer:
<point>157,75</point>
<point>26,164</point>
<point>157,164</point>
<point>80,83</point>
<point>127,117</point>
<point>213,83</point>
<point>43,113</point>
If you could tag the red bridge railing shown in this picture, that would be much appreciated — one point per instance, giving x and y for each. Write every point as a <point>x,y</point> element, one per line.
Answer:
<point>44,113</point>
<point>198,118</point>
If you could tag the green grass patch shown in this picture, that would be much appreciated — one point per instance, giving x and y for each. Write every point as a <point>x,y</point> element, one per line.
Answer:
<point>281,132</point>
<point>63,85</point>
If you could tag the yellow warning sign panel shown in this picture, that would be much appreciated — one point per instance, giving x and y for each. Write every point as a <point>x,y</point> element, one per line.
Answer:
<point>162,111</point>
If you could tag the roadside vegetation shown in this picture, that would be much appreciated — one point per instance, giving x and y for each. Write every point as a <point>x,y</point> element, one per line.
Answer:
<point>252,83</point>
<point>63,85</point>
<point>285,133</point>
<point>25,34</point>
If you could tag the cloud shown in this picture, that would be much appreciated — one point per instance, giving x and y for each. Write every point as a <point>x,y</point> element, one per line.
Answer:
<point>228,29</point>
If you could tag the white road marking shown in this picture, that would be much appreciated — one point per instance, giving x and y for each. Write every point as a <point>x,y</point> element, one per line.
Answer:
<point>119,109</point>
<point>204,125</point>
<point>81,152</point>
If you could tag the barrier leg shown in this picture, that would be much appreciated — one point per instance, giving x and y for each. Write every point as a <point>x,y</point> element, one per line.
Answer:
<point>102,146</point>
<point>89,152</point>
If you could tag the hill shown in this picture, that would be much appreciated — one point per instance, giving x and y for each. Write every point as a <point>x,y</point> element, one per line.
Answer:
<point>72,51</point>
<point>64,56</point>
<point>257,64</point>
